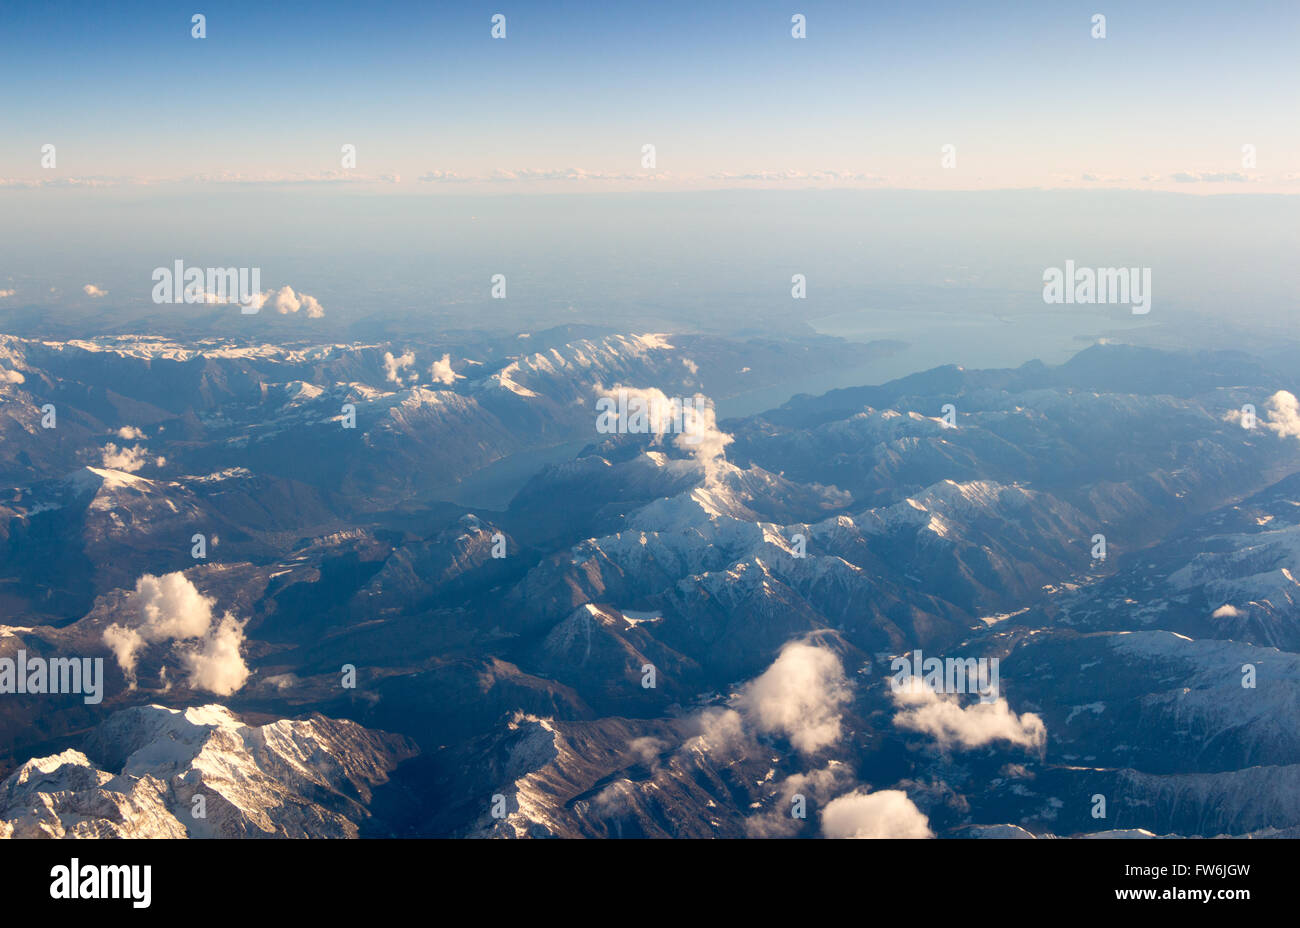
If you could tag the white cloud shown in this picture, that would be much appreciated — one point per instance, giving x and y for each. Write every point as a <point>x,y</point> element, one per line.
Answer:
<point>1226,611</point>
<point>647,750</point>
<point>167,607</point>
<point>217,665</point>
<point>130,433</point>
<point>717,731</point>
<point>209,297</point>
<point>1283,414</point>
<point>7,293</point>
<point>92,291</point>
<point>706,441</point>
<point>800,696</point>
<point>393,367</point>
<point>125,643</point>
<point>888,813</point>
<point>7,376</point>
<point>942,717</point>
<point>284,301</point>
<point>441,371</point>
<point>170,608</point>
<point>699,433</point>
<point>126,459</point>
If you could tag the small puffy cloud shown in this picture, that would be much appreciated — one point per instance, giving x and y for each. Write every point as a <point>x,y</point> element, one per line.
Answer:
<point>130,433</point>
<point>7,376</point>
<point>888,813</point>
<point>92,291</point>
<point>615,800</point>
<point>1283,414</point>
<point>1226,611</point>
<point>284,301</point>
<point>717,731</point>
<point>395,365</point>
<point>693,419</point>
<point>441,371</point>
<point>942,717</point>
<point>209,297</point>
<point>126,644</point>
<point>647,750</point>
<point>217,666</point>
<point>166,607</point>
<point>800,696</point>
<point>4,294</point>
<point>126,459</point>
<point>170,608</point>
<point>705,440</point>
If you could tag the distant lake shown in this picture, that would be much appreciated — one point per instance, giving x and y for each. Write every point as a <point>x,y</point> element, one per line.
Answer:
<point>492,487</point>
<point>932,339</point>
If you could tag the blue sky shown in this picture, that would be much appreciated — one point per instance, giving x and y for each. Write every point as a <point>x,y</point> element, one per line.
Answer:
<point>226,151</point>
<point>1022,90</point>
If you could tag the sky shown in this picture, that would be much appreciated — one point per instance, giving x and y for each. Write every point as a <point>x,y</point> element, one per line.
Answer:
<point>1023,92</point>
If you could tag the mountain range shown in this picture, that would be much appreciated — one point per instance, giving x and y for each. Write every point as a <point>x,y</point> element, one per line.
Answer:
<point>403,589</point>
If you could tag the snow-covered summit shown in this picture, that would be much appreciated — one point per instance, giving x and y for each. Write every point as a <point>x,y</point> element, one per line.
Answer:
<point>202,772</point>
